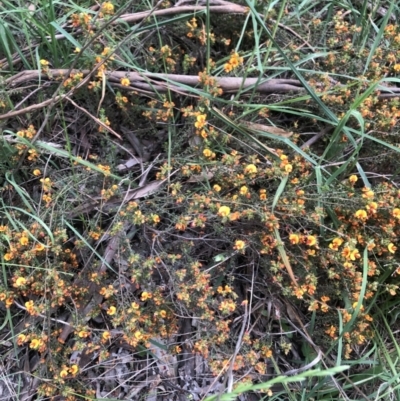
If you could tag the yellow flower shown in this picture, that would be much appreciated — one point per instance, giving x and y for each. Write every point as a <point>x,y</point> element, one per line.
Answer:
<point>145,296</point>
<point>235,60</point>
<point>311,240</point>
<point>21,339</point>
<point>336,243</point>
<point>138,335</point>
<point>64,373</point>
<point>74,369</point>
<point>216,188</point>
<point>163,313</point>
<point>21,281</point>
<point>37,172</point>
<point>24,240</point>
<point>105,169</point>
<point>84,333</point>
<point>224,211</point>
<point>107,8</point>
<point>200,121</point>
<point>106,335</point>
<point>125,81</point>
<point>294,238</point>
<point>396,213</point>
<point>353,179</point>
<point>30,307</point>
<point>331,331</point>
<point>36,343</point>
<point>372,207</point>
<point>39,247</point>
<point>44,63</point>
<point>288,168</point>
<point>361,214</point>
<point>135,306</point>
<point>355,304</point>
<point>391,248</point>
<point>368,194</point>
<point>239,245</point>
<point>354,254</point>
<point>244,190</point>
<point>111,310</point>
<point>207,153</point>
<point>228,67</point>
<point>250,169</point>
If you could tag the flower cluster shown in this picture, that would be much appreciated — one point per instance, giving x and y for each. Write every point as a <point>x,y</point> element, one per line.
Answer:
<point>234,62</point>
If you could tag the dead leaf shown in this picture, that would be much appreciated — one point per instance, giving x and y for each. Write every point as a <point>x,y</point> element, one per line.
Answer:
<point>267,128</point>
<point>166,362</point>
<point>133,161</point>
<point>205,176</point>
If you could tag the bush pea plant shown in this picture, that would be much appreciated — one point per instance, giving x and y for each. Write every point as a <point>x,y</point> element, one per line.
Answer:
<point>199,199</point>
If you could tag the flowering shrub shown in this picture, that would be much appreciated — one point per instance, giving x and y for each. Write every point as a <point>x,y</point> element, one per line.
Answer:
<point>166,221</point>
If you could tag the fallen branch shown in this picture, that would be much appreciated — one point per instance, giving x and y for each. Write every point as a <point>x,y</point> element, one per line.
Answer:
<point>224,7</point>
